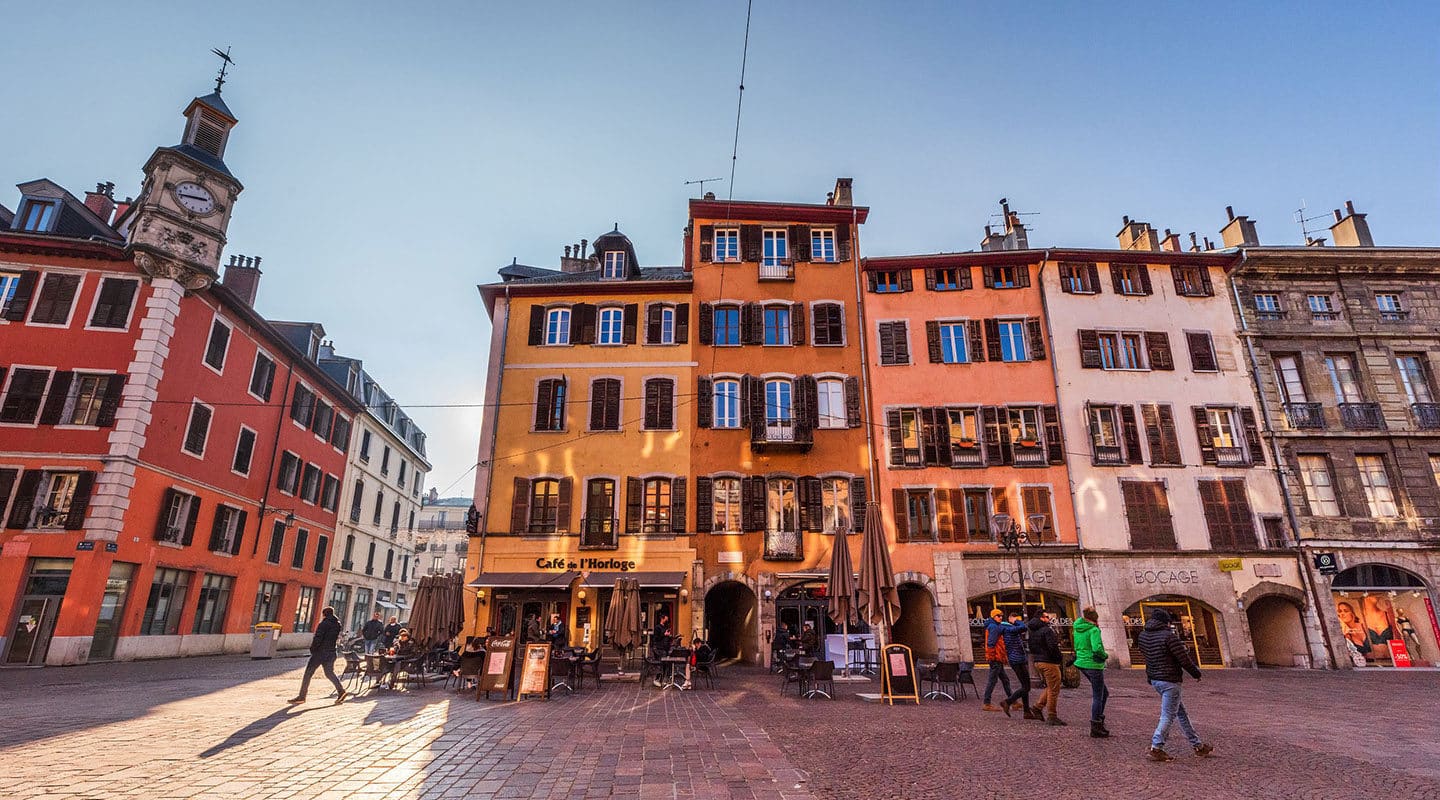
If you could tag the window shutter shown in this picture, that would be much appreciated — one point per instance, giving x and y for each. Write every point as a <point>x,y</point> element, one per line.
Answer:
<point>1157,343</point>
<point>707,243</point>
<point>666,402</point>
<point>987,275</point>
<point>165,502</point>
<point>240,524</point>
<point>1116,282</point>
<point>944,517</point>
<point>993,351</point>
<point>585,314</point>
<point>808,392</point>
<point>1149,412</point>
<point>682,323</point>
<point>1022,276</point>
<point>1147,511</point>
<point>858,500</point>
<point>1054,442</point>
<point>1206,285</point>
<point>797,323</point>
<point>55,401</point>
<point>704,505</point>
<point>941,434</point>
<point>842,242</point>
<point>750,242</point>
<point>20,300</point>
<point>677,506</point>
<point>964,280</point>
<point>752,504</point>
<point>520,506</point>
<point>902,515</point>
<point>1037,338</point>
<point>1169,435</point>
<point>1252,436</point>
<point>217,529</point>
<point>897,437</point>
<point>1178,273</point>
<point>1202,352</point>
<point>563,501</point>
<point>544,402</point>
<point>612,405</point>
<point>887,343</point>
<point>537,325</point>
<point>634,502</point>
<point>707,323</point>
<point>7,482</point>
<point>652,323</point>
<point>1131,431</point>
<point>199,430</point>
<point>900,332</point>
<point>812,503</point>
<point>752,324</point>
<point>1090,350</point>
<point>799,243</point>
<point>1212,502</point>
<point>932,338</point>
<point>1204,434</point>
<point>704,402</point>
<point>905,281</point>
<point>757,403</point>
<point>25,498</point>
<point>1144,273</point>
<point>930,280</point>
<point>652,405</point>
<point>929,448</point>
<point>80,502</point>
<point>190,522</point>
<point>745,391</point>
<point>852,403</point>
<point>995,452</point>
<point>632,318</point>
<point>597,405</point>
<point>975,351</point>
<point>1092,277</point>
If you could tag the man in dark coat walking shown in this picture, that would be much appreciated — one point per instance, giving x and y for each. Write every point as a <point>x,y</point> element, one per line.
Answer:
<point>371,632</point>
<point>1166,662</point>
<point>322,655</point>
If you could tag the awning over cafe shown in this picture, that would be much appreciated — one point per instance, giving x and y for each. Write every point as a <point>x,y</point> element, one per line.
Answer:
<point>523,580</point>
<point>648,580</point>
<point>386,604</point>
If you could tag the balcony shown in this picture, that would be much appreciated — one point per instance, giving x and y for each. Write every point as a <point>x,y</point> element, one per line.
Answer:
<point>784,546</point>
<point>599,533</point>
<point>777,271</point>
<point>1324,316</point>
<point>441,525</point>
<point>1362,416</point>
<point>781,435</point>
<point>1105,455</point>
<point>1275,314</point>
<point>1030,455</point>
<point>1394,315</point>
<point>1231,457</point>
<point>1427,415</point>
<point>348,566</point>
<point>1305,416</point>
<point>963,455</point>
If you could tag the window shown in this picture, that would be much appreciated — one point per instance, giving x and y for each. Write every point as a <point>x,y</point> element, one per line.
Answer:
<point>1012,340</point>
<point>1319,484</point>
<point>1388,304</point>
<point>166,603</point>
<point>660,324</point>
<point>557,326</point>
<point>305,609</point>
<point>227,530</point>
<point>614,266</point>
<point>213,602</point>
<point>727,404</point>
<point>1343,379</point>
<point>1227,514</point>
<point>1147,513</point>
<point>920,515</point>
<point>830,403</point>
<point>946,279</point>
<point>1122,351</point>
<point>85,398</point>
<point>23,395</point>
<point>726,505</point>
<point>605,404</point>
<point>1376,482</point>
<point>1036,501</point>
<point>894,343</point>
<point>322,420</point>
<point>1290,379</point>
<point>779,409</point>
<point>1222,430</point>
<point>9,285</point>
<point>659,404</point>
<point>781,512</point>
<point>302,538</point>
<point>550,405</point>
<point>1105,434</point>
<point>267,602</point>
<point>727,325</point>
<point>37,216</point>
<point>437,564</point>
<point>828,321</point>
<point>330,494</point>
<point>775,251</point>
<point>287,477</point>
<point>887,281</point>
<point>365,446</point>
<point>953,340</point>
<point>177,519</point>
<point>1005,277</point>
<point>727,244</point>
<point>1322,308</point>
<point>1267,306</point>
<point>53,504</point>
<point>262,377</point>
<point>198,431</point>
<point>777,325</point>
<point>112,302</point>
<point>385,461</point>
<point>1192,281</point>
<point>302,406</point>
<point>1202,352</point>
<point>1435,468</point>
<point>612,326</point>
<point>57,298</point>
<point>657,506</point>
<point>1024,425</point>
<point>400,479</point>
<point>904,431</point>
<point>356,500</point>
<point>1130,279</point>
<point>1078,278</point>
<point>310,484</point>
<point>1415,378</point>
<point>370,560</point>
<point>822,244</point>
<point>379,506</point>
<point>218,345</point>
<point>835,500</point>
<point>544,507</point>
<point>964,432</point>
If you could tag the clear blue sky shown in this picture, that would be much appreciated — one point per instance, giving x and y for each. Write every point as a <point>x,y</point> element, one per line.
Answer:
<point>397,154</point>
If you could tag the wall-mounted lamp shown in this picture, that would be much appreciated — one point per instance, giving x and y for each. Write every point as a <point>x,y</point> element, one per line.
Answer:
<point>768,594</point>
<point>480,595</point>
<point>684,595</point>
<point>581,595</point>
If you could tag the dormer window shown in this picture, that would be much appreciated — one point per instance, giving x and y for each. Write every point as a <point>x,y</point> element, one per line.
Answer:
<point>614,268</point>
<point>313,350</point>
<point>37,215</point>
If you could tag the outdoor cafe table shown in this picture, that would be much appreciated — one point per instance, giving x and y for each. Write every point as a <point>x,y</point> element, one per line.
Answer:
<point>674,671</point>
<point>572,662</point>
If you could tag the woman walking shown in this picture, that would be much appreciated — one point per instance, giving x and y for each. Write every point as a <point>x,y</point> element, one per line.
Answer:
<point>1090,658</point>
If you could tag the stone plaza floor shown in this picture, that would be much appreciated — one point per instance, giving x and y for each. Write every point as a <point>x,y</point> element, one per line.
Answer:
<point>220,727</point>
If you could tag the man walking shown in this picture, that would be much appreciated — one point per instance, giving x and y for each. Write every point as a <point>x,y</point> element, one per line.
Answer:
<point>1045,650</point>
<point>995,657</point>
<point>322,656</point>
<point>1166,662</point>
<point>1014,635</point>
<point>371,633</point>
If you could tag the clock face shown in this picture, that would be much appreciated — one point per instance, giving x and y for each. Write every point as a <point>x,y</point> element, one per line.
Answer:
<point>194,198</point>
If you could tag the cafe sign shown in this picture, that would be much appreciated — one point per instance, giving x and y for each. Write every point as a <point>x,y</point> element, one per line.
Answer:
<point>573,564</point>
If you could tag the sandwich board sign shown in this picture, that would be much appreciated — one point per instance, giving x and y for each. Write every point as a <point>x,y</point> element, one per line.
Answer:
<point>897,675</point>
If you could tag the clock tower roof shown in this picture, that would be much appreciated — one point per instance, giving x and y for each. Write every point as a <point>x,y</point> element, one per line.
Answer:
<point>213,102</point>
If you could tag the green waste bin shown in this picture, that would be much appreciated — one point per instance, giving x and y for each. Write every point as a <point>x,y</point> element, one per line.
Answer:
<point>264,639</point>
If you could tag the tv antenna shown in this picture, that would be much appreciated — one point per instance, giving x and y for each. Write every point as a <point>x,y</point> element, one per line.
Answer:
<point>702,182</point>
<point>225,63</point>
<point>1303,221</point>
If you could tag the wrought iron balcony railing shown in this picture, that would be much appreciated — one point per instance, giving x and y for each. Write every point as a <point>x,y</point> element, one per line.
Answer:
<point>784,546</point>
<point>1362,416</point>
<point>1304,416</point>
<point>599,533</point>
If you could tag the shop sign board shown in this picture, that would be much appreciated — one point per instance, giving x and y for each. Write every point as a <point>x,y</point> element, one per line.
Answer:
<point>499,652</point>
<point>1399,653</point>
<point>1231,565</point>
<point>535,671</point>
<point>1327,564</point>
<point>897,675</point>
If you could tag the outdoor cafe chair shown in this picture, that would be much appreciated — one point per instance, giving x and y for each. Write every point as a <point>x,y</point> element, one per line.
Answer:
<point>967,675</point>
<point>374,671</point>
<point>589,664</point>
<point>706,669</point>
<point>821,680</point>
<point>943,676</point>
<point>795,674</point>
<point>353,671</point>
<point>652,668</point>
<point>467,669</point>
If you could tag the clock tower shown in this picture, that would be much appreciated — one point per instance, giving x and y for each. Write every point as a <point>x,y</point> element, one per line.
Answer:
<point>178,228</point>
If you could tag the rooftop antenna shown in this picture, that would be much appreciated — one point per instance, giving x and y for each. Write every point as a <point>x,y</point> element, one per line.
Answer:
<point>225,63</point>
<point>1303,221</point>
<point>702,182</point>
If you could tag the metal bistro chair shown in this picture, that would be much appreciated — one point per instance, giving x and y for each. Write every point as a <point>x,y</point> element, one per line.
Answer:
<point>562,672</point>
<point>353,672</point>
<point>374,671</point>
<point>589,664</point>
<point>796,675</point>
<point>822,680</point>
<point>708,668</point>
<point>944,675</point>
<point>967,675</point>
<point>467,669</point>
<point>652,668</point>
<point>862,657</point>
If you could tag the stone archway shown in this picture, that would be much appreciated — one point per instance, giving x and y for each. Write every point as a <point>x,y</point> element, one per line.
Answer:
<point>731,616</point>
<point>916,625</point>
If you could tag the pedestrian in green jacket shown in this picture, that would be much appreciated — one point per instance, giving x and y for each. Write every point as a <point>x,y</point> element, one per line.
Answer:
<point>1090,658</point>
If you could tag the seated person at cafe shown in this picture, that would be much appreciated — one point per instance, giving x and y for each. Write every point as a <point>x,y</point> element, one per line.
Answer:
<point>405,648</point>
<point>471,656</point>
<point>782,637</point>
<point>809,642</point>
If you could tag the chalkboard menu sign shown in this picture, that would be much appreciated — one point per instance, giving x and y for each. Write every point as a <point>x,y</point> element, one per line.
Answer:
<point>897,675</point>
<point>499,660</point>
<point>535,671</point>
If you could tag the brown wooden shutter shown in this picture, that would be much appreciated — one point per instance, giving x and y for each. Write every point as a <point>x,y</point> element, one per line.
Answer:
<point>797,323</point>
<point>612,404</point>
<point>1116,277</point>
<point>1037,339</point>
<point>975,346</point>
<point>577,324</point>
<point>987,276</point>
<point>799,243</point>
<point>756,395</point>
<point>682,323</point>
<point>887,343</point>
<point>752,504</point>
<point>677,506</point>
<point>929,448</point>
<point>652,323</point>
<point>1170,435</point>
<point>189,535</point>
<point>812,503</point>
<point>707,323</point>
<point>1178,274</point>
<point>932,340</point>
<point>520,506</point>
<point>652,404</point>
<point>667,404</point>
<point>704,504</point>
<point>807,402</point>
<point>1206,285</point>
<point>632,319</point>
<point>707,243</point>
<point>704,402</point>
<point>944,517</point>
<point>941,433</point>
<point>1022,276</point>
<point>1092,277</point>
<point>1054,443</point>
<point>1202,352</point>
<point>870,282</point>
<point>25,499</point>
<point>752,324</point>
<point>20,300</point>
<point>80,502</point>
<point>1217,516</point>
<point>7,482</point>
<point>597,405</point>
<point>905,281</point>
<point>745,412</point>
<point>1252,436</point>
<point>901,332</point>
<point>901,514</point>
<point>537,325</point>
<point>1150,413</point>
<point>751,246</point>
<point>165,501</point>
<point>964,281</point>
<point>55,401</point>
<point>1147,512</point>
<point>997,436</point>
<point>897,437</point>
<point>853,416</point>
<point>1130,429</point>
<point>993,350</point>
<point>544,400</point>
<point>1144,274</point>
<point>858,500</point>
<point>930,279</point>
<point>1090,350</point>
<point>634,504</point>
<point>242,522</point>
<point>842,242</point>
<point>564,496</point>
<point>197,433</point>
<point>1204,434</point>
<point>1157,343</point>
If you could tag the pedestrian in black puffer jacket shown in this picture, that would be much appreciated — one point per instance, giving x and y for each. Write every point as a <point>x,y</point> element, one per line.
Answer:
<point>1166,662</point>
<point>1045,651</point>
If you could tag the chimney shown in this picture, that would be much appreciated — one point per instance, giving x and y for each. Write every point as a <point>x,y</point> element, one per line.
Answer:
<point>709,195</point>
<point>1194,245</point>
<point>242,277</point>
<point>1136,235</point>
<point>574,259</point>
<point>1170,243</point>
<point>1238,231</point>
<point>1351,229</point>
<point>102,200</point>
<point>842,195</point>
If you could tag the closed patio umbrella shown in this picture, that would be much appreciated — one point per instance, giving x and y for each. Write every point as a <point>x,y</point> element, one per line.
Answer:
<point>879,598</point>
<point>842,589</point>
<point>455,605</point>
<point>622,621</point>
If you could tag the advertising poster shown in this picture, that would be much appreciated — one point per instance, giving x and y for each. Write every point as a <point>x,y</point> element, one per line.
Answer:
<point>1379,628</point>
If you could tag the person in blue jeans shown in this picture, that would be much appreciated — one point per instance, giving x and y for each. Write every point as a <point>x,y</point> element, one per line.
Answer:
<point>995,657</point>
<point>1166,662</point>
<point>1013,633</point>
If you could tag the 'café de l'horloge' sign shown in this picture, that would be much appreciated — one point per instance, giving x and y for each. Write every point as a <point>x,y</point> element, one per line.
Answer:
<point>585,564</point>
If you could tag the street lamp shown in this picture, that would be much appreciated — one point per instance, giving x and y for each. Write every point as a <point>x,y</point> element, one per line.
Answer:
<point>1012,538</point>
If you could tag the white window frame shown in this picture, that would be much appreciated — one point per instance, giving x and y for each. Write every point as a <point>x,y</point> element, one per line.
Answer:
<point>1097,425</point>
<point>1290,378</point>
<point>557,319</point>
<point>254,364</point>
<point>827,403</point>
<point>966,412</point>
<point>726,421</point>
<point>1023,342</point>
<point>1267,303</point>
<point>775,242</point>
<point>784,401</point>
<point>960,342</point>
<point>1319,495</point>
<point>774,511</point>
<point>209,428</point>
<point>72,399</point>
<point>1417,386</point>
<point>822,245</point>
<point>1320,303</point>
<point>1379,492</point>
<point>1224,426</point>
<point>601,329</point>
<point>232,529</point>
<point>734,508</point>
<point>9,282</point>
<point>1337,383</point>
<point>832,510</point>
<point>667,325</point>
<point>614,266</point>
<point>210,335</point>
<point>176,518</point>
<point>730,252</point>
<point>61,484</point>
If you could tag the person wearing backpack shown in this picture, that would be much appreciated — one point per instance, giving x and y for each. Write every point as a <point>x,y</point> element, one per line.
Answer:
<point>1090,658</point>
<point>1013,633</point>
<point>996,658</point>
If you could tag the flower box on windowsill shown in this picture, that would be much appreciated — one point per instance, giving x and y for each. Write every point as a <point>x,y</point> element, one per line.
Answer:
<point>967,443</point>
<point>1028,443</point>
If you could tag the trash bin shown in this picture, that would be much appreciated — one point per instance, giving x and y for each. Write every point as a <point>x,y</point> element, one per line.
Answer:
<point>264,640</point>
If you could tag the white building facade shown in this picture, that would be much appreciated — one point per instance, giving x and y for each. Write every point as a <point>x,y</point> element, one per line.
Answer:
<point>441,541</point>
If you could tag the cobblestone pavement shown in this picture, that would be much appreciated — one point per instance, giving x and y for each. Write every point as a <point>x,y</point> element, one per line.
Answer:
<point>220,727</point>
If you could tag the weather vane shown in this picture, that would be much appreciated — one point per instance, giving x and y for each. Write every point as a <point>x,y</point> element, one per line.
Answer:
<point>225,63</point>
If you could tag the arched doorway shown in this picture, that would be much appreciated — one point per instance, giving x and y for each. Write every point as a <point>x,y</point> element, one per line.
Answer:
<point>1062,606</point>
<point>1277,632</point>
<point>802,604</point>
<point>1386,616</point>
<point>732,621</point>
<point>915,627</point>
<point>1197,624</point>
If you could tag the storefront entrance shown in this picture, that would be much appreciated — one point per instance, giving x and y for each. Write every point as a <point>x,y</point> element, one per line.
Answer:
<point>732,621</point>
<point>1196,623</point>
<point>112,610</point>
<point>803,603</point>
<point>915,628</point>
<point>45,586</point>
<point>1387,617</point>
<point>1062,606</point>
<point>511,610</point>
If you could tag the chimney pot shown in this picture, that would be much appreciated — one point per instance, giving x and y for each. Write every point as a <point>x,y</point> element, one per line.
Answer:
<point>1349,207</point>
<point>1351,230</point>
<point>1229,212</point>
<point>709,195</point>
<point>584,245</point>
<point>1125,219</point>
<point>257,262</point>
<point>567,251</point>
<point>1338,215</point>
<point>242,277</point>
